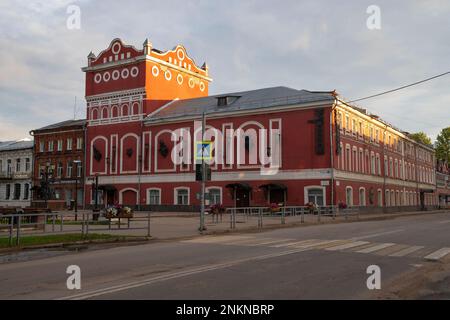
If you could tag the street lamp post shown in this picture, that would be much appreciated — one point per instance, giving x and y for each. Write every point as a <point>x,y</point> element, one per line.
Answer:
<point>77,163</point>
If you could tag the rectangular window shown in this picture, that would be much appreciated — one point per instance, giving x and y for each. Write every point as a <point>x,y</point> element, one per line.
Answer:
<point>18,166</point>
<point>154,197</point>
<point>79,169</point>
<point>8,192</point>
<point>26,191</point>
<point>79,143</point>
<point>42,146</point>
<point>59,170</point>
<point>69,169</point>
<point>17,188</point>
<point>182,197</point>
<point>69,144</point>
<point>27,164</point>
<point>9,167</point>
<point>50,146</point>
<point>214,196</point>
<point>60,145</point>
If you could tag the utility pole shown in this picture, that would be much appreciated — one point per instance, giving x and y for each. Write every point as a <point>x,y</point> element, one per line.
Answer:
<point>202,212</point>
<point>77,163</point>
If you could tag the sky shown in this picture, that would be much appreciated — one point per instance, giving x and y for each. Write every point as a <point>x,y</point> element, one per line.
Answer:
<point>247,44</point>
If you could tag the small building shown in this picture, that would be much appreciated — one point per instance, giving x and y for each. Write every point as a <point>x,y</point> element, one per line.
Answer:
<point>443,184</point>
<point>16,164</point>
<point>59,157</point>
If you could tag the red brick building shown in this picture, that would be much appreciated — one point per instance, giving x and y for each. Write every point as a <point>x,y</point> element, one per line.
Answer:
<point>268,145</point>
<point>59,157</point>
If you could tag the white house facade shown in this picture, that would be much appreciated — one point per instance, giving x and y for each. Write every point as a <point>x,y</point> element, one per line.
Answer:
<point>16,165</point>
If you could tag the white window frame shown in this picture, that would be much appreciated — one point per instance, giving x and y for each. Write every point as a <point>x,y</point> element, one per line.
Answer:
<point>175,196</point>
<point>208,189</point>
<point>306,191</point>
<point>148,196</point>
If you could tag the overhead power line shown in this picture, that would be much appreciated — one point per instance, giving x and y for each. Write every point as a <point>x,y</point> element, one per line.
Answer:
<point>400,88</point>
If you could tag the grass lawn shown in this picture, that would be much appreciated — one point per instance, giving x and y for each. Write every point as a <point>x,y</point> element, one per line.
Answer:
<point>58,238</point>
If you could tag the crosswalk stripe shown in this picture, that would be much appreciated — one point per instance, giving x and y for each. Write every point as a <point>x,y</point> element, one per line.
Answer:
<point>248,242</point>
<point>293,243</point>
<point>269,242</point>
<point>347,246</point>
<point>376,247</point>
<point>406,251</point>
<point>436,255</point>
<point>217,239</point>
<point>317,245</point>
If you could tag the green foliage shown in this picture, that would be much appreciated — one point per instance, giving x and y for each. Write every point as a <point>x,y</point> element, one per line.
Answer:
<point>421,137</point>
<point>443,145</point>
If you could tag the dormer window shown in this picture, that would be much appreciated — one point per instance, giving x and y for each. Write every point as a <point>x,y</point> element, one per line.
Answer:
<point>222,101</point>
<point>226,100</point>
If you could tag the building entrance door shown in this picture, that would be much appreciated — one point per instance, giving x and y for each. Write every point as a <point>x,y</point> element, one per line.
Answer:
<point>242,197</point>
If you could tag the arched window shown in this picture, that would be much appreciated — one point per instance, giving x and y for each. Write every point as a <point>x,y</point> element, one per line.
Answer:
<point>362,197</point>
<point>349,196</point>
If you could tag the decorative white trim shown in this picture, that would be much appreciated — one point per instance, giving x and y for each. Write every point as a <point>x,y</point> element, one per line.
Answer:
<point>180,79</point>
<point>147,194</point>
<point>307,188</point>
<point>97,78</point>
<point>114,142</point>
<point>115,75</point>
<point>191,83</point>
<point>202,86</point>
<point>215,187</point>
<point>137,152</point>
<point>149,134</point>
<point>125,73</point>
<point>232,176</point>
<point>106,76</point>
<point>155,71</point>
<point>134,72</point>
<point>121,192</point>
<point>104,155</point>
<point>156,152</point>
<point>175,195</point>
<point>168,75</point>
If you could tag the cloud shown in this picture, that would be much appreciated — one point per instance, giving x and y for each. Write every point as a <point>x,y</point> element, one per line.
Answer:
<point>316,45</point>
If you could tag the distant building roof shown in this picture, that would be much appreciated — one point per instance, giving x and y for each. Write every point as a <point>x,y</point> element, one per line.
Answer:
<point>239,101</point>
<point>16,145</point>
<point>63,124</point>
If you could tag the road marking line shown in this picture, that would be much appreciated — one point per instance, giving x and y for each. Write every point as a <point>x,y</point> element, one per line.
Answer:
<point>438,254</point>
<point>213,239</point>
<point>406,251</point>
<point>445,221</point>
<point>294,243</point>
<point>347,246</point>
<point>243,242</point>
<point>269,242</point>
<point>317,245</point>
<point>376,247</point>
<point>174,275</point>
<point>373,235</point>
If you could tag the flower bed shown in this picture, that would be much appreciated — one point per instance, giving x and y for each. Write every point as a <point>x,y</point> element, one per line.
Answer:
<point>117,211</point>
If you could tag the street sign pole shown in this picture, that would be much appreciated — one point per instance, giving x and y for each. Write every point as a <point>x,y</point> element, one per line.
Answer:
<point>202,211</point>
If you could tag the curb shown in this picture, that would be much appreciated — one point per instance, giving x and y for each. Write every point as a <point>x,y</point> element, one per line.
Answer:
<point>75,243</point>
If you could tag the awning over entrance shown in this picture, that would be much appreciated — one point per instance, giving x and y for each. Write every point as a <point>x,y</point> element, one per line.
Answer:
<point>243,186</point>
<point>273,186</point>
<point>107,187</point>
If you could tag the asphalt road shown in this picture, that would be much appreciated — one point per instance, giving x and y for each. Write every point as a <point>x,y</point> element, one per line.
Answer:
<point>314,262</point>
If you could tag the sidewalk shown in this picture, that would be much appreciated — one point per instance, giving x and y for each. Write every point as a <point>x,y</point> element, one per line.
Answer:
<point>175,225</point>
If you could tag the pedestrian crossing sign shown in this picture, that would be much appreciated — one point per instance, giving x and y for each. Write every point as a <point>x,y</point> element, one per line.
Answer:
<point>203,150</point>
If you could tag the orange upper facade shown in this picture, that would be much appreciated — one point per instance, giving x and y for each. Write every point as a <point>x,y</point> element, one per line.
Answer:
<point>160,76</point>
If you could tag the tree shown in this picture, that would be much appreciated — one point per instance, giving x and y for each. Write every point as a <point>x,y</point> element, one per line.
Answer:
<point>421,137</point>
<point>443,145</point>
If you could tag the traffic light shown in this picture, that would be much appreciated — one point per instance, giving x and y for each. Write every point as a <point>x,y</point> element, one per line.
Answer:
<point>198,172</point>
